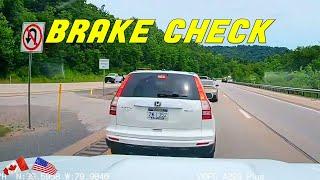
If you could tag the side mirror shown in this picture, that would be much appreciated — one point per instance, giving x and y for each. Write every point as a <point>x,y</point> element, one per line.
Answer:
<point>209,96</point>
<point>217,85</point>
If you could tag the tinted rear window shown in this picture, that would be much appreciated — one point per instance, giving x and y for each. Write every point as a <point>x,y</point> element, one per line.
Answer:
<point>207,82</point>
<point>161,85</point>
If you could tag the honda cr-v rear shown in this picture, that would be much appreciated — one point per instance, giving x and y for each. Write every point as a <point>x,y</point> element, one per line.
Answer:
<point>161,113</point>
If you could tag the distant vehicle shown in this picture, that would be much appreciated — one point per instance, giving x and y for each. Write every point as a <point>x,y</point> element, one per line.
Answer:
<point>227,79</point>
<point>224,79</point>
<point>211,89</point>
<point>113,78</point>
<point>161,113</point>
<point>204,77</point>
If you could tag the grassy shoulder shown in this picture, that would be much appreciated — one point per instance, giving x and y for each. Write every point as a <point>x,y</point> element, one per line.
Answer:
<point>68,77</point>
<point>4,130</point>
<point>296,79</point>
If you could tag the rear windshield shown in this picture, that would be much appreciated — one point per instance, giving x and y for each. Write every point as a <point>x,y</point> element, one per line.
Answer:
<point>161,85</point>
<point>207,82</point>
<point>204,77</point>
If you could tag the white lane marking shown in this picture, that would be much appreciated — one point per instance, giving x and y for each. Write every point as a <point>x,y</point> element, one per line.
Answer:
<point>282,101</point>
<point>224,95</point>
<point>245,114</point>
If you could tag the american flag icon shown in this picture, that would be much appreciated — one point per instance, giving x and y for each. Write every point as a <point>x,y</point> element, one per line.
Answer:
<point>44,166</point>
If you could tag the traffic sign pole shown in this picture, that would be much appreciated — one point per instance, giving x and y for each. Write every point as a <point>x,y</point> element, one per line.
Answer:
<point>29,83</point>
<point>31,42</point>
<point>103,64</point>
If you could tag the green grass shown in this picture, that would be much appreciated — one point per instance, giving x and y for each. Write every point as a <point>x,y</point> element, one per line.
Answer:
<point>70,76</point>
<point>297,79</point>
<point>4,130</point>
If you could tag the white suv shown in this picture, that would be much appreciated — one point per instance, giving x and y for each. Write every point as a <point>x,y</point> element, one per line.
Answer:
<point>161,113</point>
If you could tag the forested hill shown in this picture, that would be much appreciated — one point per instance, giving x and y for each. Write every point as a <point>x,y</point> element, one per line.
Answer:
<point>248,53</point>
<point>84,58</point>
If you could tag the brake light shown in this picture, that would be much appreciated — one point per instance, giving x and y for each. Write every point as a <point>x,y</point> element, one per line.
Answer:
<point>205,105</point>
<point>113,106</point>
<point>114,102</point>
<point>162,76</point>
<point>206,110</point>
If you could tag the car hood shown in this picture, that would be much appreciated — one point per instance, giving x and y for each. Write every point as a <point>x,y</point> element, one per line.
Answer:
<point>120,167</point>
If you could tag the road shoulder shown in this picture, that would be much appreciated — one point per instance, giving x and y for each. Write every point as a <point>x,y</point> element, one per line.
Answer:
<point>294,99</point>
<point>242,135</point>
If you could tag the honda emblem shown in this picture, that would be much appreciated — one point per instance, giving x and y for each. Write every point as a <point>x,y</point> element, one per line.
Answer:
<point>157,104</point>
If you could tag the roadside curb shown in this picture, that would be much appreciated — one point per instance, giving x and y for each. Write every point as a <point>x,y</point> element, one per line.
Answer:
<point>81,144</point>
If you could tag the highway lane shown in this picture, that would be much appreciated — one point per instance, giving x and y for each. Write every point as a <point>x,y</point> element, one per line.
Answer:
<point>296,124</point>
<point>240,134</point>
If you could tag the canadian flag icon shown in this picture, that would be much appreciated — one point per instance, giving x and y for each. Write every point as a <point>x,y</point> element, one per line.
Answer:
<point>16,166</point>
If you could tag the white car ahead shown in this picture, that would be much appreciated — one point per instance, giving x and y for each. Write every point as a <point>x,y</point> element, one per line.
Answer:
<point>161,113</point>
<point>113,78</point>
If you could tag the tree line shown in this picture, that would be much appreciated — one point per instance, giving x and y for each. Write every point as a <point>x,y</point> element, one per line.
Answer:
<point>248,53</point>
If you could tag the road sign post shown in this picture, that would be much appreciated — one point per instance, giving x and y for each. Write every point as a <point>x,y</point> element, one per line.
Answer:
<point>29,83</point>
<point>103,64</point>
<point>32,38</point>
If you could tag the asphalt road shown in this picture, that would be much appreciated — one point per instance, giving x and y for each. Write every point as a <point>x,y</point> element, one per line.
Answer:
<point>82,114</point>
<point>250,125</point>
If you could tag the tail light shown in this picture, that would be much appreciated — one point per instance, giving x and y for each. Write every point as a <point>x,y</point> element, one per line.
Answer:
<point>114,102</point>
<point>205,104</point>
<point>113,106</point>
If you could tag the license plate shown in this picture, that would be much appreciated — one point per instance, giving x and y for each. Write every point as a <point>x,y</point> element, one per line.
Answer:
<point>157,113</point>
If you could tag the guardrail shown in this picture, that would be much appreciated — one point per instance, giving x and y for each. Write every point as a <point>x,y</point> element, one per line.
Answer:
<point>315,93</point>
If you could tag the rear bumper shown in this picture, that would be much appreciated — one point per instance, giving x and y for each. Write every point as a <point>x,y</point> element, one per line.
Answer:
<point>164,138</point>
<point>130,149</point>
<point>161,142</point>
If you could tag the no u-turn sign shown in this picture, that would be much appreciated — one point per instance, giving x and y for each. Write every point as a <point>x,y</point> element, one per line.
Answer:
<point>32,37</point>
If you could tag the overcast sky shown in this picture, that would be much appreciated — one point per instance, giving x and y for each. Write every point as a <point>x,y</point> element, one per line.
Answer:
<point>297,21</point>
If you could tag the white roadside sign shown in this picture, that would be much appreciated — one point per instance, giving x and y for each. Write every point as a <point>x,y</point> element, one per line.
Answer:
<point>103,63</point>
<point>32,37</point>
